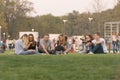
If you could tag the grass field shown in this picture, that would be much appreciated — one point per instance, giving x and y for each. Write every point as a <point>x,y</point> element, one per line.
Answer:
<point>59,67</point>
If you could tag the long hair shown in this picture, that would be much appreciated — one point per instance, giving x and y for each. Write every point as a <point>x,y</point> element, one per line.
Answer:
<point>32,37</point>
<point>61,42</point>
<point>90,36</point>
<point>24,35</point>
<point>25,39</point>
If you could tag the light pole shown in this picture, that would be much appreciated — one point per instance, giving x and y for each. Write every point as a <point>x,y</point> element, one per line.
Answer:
<point>90,23</point>
<point>0,32</point>
<point>8,36</point>
<point>33,30</point>
<point>4,35</point>
<point>64,25</point>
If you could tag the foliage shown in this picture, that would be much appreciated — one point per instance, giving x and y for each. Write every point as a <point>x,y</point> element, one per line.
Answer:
<point>3,23</point>
<point>14,18</point>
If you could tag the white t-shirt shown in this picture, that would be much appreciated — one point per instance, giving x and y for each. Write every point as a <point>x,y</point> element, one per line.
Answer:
<point>103,44</point>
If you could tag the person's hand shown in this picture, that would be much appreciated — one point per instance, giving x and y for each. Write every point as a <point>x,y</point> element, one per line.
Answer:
<point>31,42</point>
<point>47,54</point>
<point>53,49</point>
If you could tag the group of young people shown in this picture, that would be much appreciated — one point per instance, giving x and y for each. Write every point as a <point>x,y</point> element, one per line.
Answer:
<point>91,44</point>
<point>94,44</point>
<point>26,45</point>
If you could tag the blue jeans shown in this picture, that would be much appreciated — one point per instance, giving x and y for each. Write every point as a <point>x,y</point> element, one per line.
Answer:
<point>28,52</point>
<point>96,49</point>
<point>119,46</point>
<point>115,46</point>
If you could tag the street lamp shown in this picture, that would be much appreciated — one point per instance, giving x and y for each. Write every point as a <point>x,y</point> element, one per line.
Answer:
<point>64,25</point>
<point>90,23</point>
<point>8,36</point>
<point>0,32</point>
<point>4,35</point>
<point>33,30</point>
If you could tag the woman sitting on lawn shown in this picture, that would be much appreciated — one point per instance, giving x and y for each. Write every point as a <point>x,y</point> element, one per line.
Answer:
<point>32,44</point>
<point>61,45</point>
<point>88,43</point>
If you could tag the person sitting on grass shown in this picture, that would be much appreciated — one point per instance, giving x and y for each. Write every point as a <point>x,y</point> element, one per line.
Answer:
<point>88,43</point>
<point>71,46</point>
<point>68,45</point>
<point>46,45</point>
<point>1,47</point>
<point>21,46</point>
<point>60,48</point>
<point>32,44</point>
<point>99,45</point>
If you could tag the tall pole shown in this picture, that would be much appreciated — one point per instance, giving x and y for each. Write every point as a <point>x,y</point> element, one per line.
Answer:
<point>0,32</point>
<point>64,32</point>
<point>90,24</point>
<point>4,34</point>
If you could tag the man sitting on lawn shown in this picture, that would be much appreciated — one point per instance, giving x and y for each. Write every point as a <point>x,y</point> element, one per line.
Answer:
<point>46,45</point>
<point>99,45</point>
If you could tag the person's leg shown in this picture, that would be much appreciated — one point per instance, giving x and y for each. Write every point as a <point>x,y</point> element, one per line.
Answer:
<point>62,49</point>
<point>113,46</point>
<point>100,49</point>
<point>90,48</point>
<point>59,49</point>
<point>83,45</point>
<point>119,46</point>
<point>51,51</point>
<point>35,52</point>
<point>24,53</point>
<point>68,48</point>
<point>116,43</point>
<point>40,51</point>
<point>97,49</point>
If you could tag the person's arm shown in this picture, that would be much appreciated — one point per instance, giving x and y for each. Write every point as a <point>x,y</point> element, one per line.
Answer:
<point>52,46</point>
<point>28,45</point>
<point>88,44</point>
<point>98,42</point>
<point>43,47</point>
<point>73,46</point>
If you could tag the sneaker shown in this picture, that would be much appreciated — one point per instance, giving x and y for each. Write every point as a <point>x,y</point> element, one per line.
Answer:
<point>90,53</point>
<point>65,53</point>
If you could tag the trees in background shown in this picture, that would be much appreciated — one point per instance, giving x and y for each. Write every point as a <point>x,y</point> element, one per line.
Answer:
<point>98,7</point>
<point>14,11</point>
<point>3,23</point>
<point>14,18</point>
<point>47,24</point>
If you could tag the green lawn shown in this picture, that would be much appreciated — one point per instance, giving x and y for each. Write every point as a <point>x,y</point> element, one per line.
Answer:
<point>59,67</point>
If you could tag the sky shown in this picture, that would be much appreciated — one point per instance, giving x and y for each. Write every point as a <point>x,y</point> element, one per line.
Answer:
<point>63,7</point>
